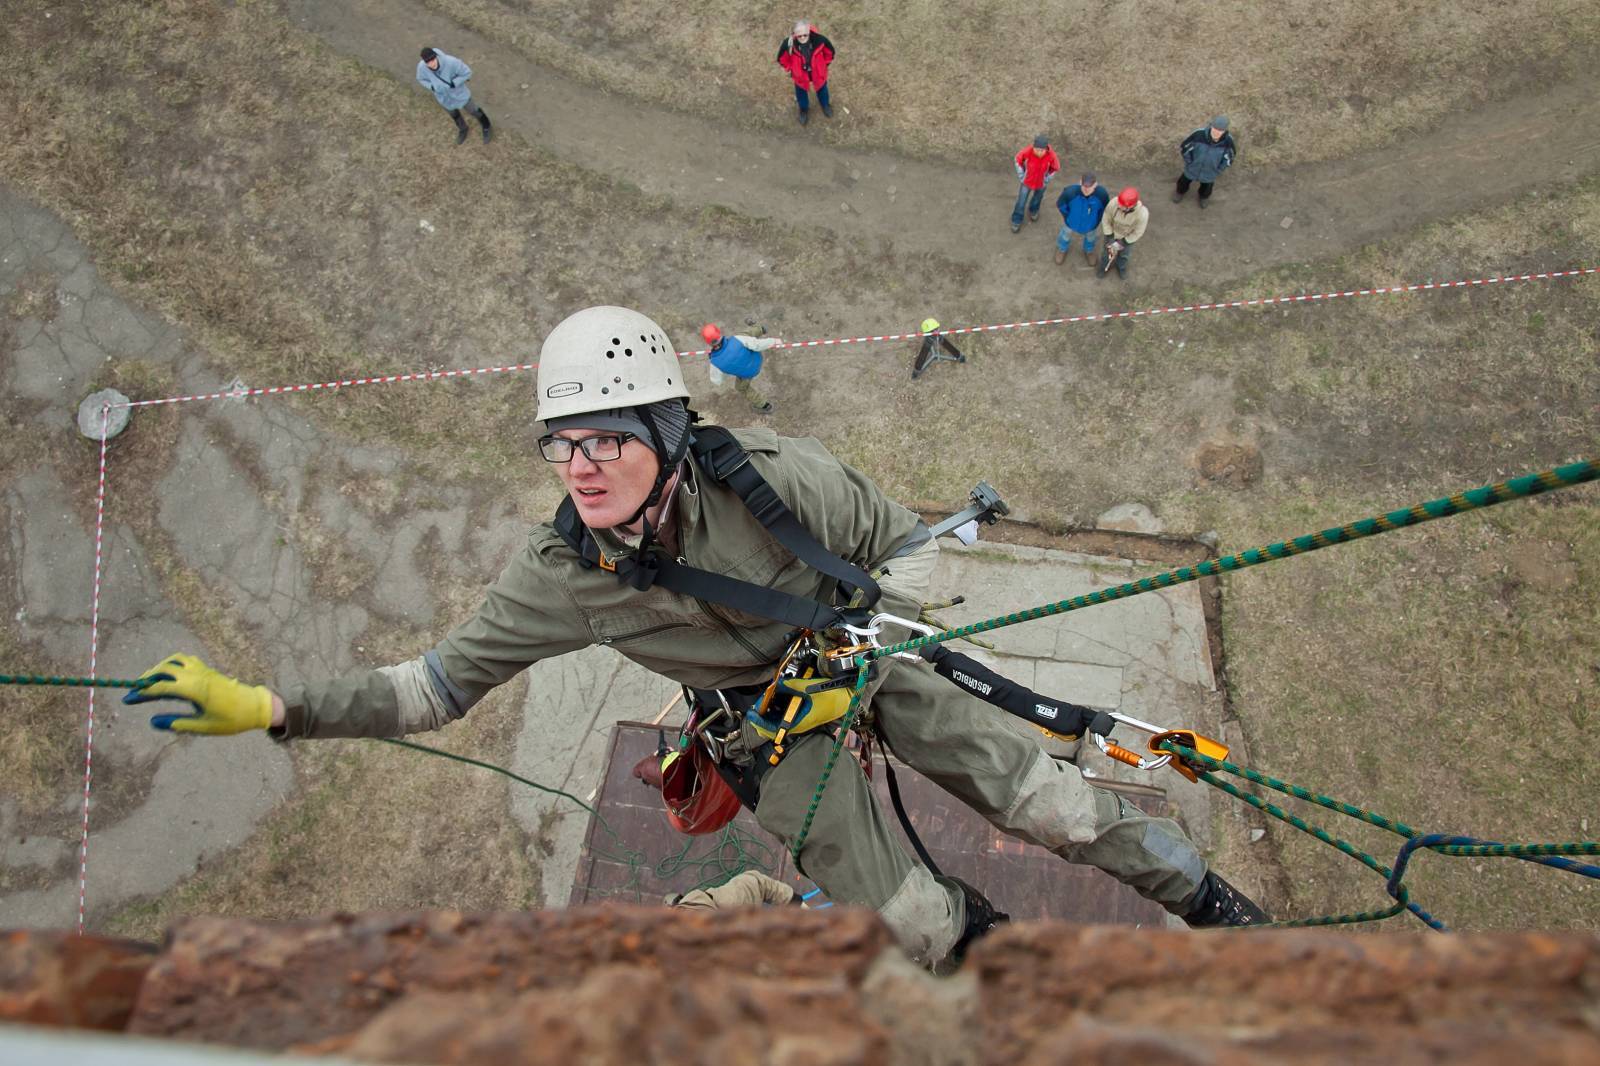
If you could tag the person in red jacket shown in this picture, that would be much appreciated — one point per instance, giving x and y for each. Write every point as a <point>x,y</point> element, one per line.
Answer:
<point>805,54</point>
<point>1035,167</point>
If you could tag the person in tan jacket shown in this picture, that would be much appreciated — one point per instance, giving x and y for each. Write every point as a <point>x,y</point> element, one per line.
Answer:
<point>660,552</point>
<point>1122,227</point>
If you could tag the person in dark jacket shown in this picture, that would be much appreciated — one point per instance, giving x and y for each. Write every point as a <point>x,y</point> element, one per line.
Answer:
<point>1207,152</point>
<point>805,54</point>
<point>1081,206</point>
<point>446,77</point>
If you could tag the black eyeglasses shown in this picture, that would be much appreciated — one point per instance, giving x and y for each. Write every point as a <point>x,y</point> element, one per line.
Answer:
<point>600,448</point>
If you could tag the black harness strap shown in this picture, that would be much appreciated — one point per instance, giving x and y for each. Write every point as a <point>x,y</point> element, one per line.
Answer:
<point>1058,716</point>
<point>726,462</point>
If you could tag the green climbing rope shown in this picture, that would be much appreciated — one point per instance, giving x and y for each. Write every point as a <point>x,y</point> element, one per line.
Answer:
<point>1469,500</point>
<point>70,682</point>
<point>730,853</point>
<point>1206,767</point>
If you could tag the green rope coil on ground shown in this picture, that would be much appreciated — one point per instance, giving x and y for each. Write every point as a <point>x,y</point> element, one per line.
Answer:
<point>1206,767</point>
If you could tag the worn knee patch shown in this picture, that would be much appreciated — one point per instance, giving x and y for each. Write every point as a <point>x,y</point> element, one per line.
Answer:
<point>1176,851</point>
<point>924,916</point>
<point>1054,807</point>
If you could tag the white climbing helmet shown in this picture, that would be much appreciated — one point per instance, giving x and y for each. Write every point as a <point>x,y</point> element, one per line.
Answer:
<point>603,358</point>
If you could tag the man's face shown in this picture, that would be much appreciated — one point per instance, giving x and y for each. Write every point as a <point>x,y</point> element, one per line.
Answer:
<point>1216,134</point>
<point>607,493</point>
<point>1040,152</point>
<point>1089,187</point>
<point>433,64</point>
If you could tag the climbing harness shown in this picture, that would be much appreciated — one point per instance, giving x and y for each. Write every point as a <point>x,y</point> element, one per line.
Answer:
<point>724,460</point>
<point>1195,756</point>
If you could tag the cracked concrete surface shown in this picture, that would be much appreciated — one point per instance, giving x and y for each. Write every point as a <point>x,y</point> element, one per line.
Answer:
<point>233,499</point>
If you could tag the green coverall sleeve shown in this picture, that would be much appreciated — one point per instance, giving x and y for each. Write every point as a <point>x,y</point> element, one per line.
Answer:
<point>527,614</point>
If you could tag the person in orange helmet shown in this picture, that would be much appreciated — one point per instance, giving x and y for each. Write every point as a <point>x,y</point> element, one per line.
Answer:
<point>1122,226</point>
<point>738,357</point>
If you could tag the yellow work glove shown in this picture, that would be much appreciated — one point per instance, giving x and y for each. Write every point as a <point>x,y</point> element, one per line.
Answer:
<point>823,700</point>
<point>221,704</point>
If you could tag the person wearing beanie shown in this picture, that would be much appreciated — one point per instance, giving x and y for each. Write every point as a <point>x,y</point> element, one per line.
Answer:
<point>698,552</point>
<point>1081,206</point>
<point>806,54</point>
<point>446,78</point>
<point>1207,152</point>
<point>1036,165</point>
<point>738,357</point>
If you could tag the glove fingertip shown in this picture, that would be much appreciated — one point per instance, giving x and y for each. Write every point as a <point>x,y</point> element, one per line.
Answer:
<point>163,722</point>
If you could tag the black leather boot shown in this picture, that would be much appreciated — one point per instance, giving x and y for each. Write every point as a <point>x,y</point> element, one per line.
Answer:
<point>1217,903</point>
<point>981,918</point>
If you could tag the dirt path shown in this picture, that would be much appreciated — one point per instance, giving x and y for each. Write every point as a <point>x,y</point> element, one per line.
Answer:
<point>1470,162</point>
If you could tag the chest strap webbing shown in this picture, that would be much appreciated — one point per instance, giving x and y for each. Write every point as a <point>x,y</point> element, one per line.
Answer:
<point>725,462</point>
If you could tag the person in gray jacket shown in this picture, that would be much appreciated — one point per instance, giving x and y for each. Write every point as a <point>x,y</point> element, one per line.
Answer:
<point>643,492</point>
<point>446,78</point>
<point>1207,152</point>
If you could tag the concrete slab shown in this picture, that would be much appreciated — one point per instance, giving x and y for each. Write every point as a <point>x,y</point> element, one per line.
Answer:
<point>187,799</point>
<point>622,858</point>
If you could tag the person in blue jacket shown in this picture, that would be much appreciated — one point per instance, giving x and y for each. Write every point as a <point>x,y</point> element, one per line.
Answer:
<point>446,77</point>
<point>738,357</point>
<point>1081,206</point>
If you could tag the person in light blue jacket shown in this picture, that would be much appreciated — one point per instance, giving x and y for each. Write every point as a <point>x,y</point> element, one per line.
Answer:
<point>445,77</point>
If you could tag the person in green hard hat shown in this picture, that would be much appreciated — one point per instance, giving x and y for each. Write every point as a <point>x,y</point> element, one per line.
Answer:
<point>936,346</point>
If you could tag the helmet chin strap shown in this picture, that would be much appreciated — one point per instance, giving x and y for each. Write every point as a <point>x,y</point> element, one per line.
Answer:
<point>669,464</point>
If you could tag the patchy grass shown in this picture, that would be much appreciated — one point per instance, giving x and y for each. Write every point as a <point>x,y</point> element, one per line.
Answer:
<point>1120,83</point>
<point>371,827</point>
<point>292,252</point>
<point>41,730</point>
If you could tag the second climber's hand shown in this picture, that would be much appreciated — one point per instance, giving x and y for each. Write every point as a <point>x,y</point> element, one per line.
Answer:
<point>222,705</point>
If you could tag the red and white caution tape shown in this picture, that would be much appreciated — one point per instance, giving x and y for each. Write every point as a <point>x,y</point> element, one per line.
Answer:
<point>1149,312</point>
<point>94,652</point>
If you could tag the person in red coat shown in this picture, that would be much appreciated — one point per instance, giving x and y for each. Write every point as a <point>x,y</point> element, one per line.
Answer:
<point>1035,167</point>
<point>805,54</point>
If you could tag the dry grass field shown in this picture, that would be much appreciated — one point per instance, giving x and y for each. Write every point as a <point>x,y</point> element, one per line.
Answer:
<point>1123,81</point>
<point>264,193</point>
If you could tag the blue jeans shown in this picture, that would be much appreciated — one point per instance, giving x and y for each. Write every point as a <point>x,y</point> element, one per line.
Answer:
<point>803,98</point>
<point>1064,239</point>
<point>1028,199</point>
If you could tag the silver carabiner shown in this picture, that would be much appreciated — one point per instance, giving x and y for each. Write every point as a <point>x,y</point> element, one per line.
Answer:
<point>876,625</point>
